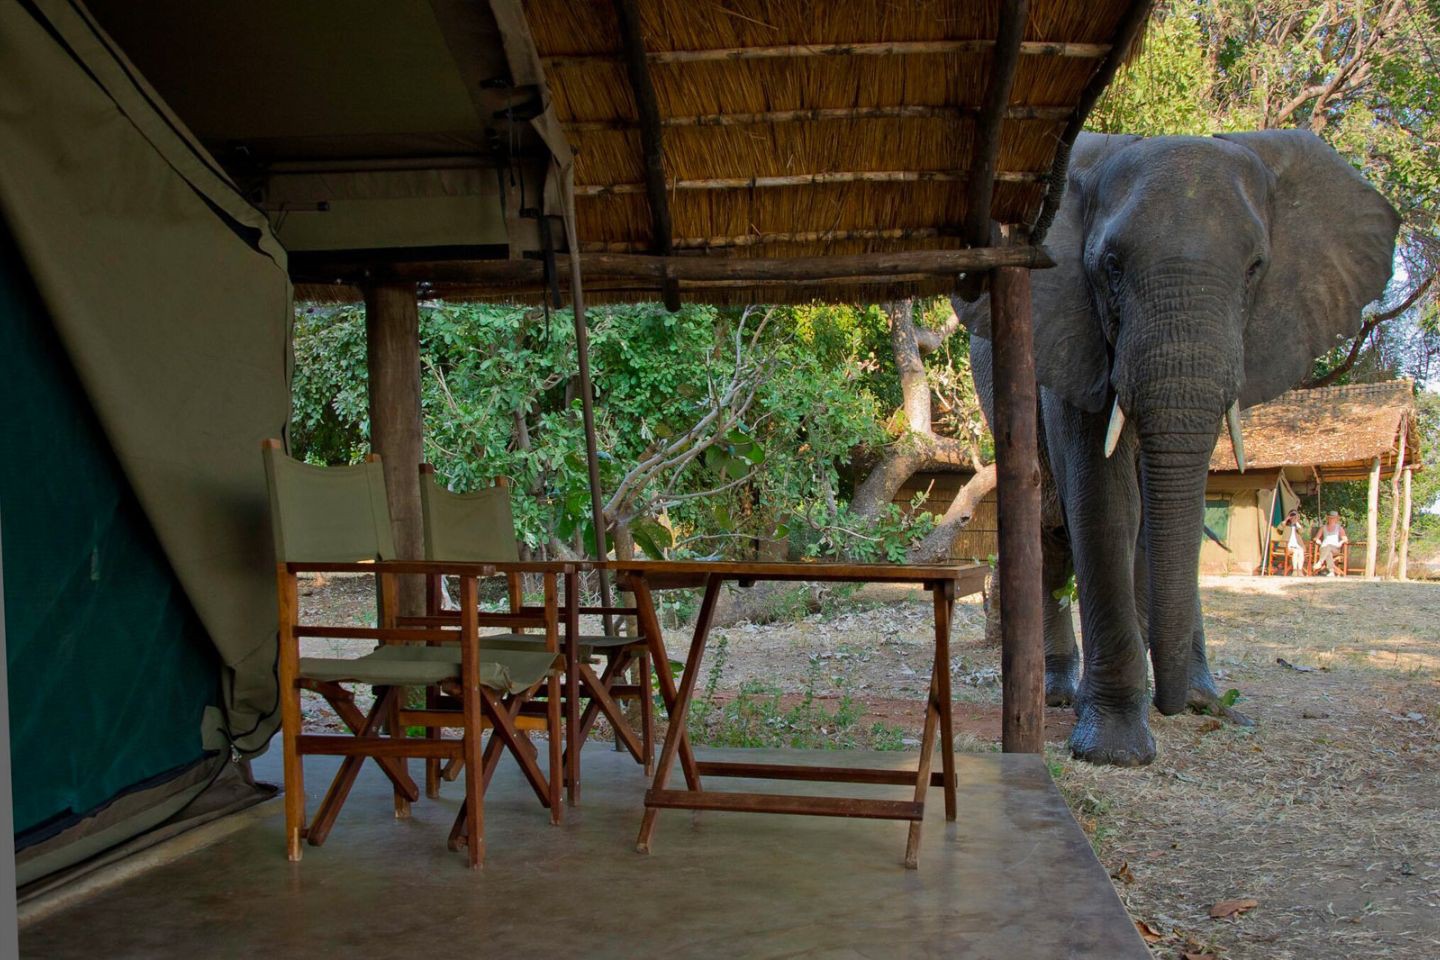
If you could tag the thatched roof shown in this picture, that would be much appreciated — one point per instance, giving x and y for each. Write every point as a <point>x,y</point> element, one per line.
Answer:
<point>1338,431</point>
<point>424,138</point>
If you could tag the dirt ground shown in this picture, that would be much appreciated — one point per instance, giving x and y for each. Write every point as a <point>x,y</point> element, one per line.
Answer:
<point>1326,813</point>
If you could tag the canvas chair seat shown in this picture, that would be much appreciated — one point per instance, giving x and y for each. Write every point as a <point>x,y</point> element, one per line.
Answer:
<point>505,671</point>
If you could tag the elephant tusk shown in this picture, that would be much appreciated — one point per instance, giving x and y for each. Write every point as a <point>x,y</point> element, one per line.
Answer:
<point>1237,440</point>
<point>1117,424</point>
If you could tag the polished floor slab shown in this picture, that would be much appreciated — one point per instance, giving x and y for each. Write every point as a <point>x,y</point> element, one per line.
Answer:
<point>1013,878</point>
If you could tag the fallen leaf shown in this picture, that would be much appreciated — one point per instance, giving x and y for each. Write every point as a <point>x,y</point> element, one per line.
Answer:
<point>1197,956</point>
<point>1232,908</point>
<point>1148,933</point>
<point>1123,873</point>
<point>1210,724</point>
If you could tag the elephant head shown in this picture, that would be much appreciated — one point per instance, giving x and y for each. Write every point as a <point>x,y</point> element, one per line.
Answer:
<point>1194,273</point>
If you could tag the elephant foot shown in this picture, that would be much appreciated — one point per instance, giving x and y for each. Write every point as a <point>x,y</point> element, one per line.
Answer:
<point>1060,682</point>
<point>1118,736</point>
<point>1207,702</point>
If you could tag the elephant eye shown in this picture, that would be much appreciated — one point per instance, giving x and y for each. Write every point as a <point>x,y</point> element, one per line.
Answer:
<point>1112,271</point>
<point>1254,269</point>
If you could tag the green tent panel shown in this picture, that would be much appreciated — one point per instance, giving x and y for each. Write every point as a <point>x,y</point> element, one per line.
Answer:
<point>110,671</point>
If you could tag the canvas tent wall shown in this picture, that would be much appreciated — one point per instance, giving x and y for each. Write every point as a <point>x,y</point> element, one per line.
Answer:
<point>1241,510</point>
<point>146,312</point>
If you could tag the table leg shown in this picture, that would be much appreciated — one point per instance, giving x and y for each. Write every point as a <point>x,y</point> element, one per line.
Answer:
<point>660,660</point>
<point>572,688</point>
<point>944,608</point>
<point>680,708</point>
<point>922,775</point>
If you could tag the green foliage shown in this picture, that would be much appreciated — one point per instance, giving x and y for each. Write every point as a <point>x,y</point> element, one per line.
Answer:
<point>499,401</point>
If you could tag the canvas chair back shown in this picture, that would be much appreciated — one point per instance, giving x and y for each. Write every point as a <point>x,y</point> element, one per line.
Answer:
<point>327,514</point>
<point>476,527</point>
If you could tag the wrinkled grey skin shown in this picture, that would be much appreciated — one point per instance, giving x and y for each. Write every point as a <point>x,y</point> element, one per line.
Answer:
<point>1191,272</point>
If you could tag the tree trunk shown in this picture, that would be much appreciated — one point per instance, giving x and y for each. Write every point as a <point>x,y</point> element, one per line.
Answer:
<point>937,545</point>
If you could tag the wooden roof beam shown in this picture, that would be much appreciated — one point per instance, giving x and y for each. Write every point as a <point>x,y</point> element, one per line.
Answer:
<point>756,239</point>
<point>603,266</point>
<point>899,112</point>
<point>808,180</point>
<point>980,193</point>
<point>1125,33</point>
<point>1033,48</point>
<point>632,47</point>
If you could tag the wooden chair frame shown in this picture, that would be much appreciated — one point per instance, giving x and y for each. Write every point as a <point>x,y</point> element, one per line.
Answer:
<point>476,708</point>
<point>603,692</point>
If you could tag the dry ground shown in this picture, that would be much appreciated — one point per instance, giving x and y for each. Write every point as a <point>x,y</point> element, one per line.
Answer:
<point>1326,813</point>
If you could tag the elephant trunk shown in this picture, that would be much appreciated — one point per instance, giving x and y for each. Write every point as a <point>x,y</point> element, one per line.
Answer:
<point>1175,376</point>
<point>1175,453</point>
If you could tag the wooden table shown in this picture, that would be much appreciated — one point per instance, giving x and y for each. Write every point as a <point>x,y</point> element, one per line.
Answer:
<point>945,583</point>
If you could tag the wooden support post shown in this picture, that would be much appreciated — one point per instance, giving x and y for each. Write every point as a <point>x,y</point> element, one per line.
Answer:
<point>1372,507</point>
<point>392,351</point>
<point>1022,658</point>
<point>1395,503</point>
<point>1404,572</point>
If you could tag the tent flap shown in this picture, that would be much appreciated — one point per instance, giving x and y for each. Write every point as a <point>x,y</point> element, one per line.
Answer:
<point>170,307</point>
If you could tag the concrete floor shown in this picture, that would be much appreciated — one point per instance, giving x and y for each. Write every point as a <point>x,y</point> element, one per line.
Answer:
<point>1013,878</point>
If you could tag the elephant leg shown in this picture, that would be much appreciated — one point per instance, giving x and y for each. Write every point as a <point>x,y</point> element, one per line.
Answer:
<point>1101,501</point>
<point>1062,657</point>
<point>1204,697</point>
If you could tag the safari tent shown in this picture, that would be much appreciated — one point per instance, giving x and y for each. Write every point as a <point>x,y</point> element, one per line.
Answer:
<point>175,174</point>
<point>1294,445</point>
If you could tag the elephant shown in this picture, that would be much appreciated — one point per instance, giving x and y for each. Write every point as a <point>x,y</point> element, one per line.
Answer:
<point>1194,276</point>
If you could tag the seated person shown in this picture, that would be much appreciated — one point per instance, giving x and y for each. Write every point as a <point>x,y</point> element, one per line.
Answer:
<point>1292,533</point>
<point>1331,539</point>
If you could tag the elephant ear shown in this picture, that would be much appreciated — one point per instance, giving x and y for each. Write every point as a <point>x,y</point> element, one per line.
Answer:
<point>1071,356</point>
<point>1332,246</point>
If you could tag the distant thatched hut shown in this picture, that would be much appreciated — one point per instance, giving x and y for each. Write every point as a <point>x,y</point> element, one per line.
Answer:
<point>1294,445</point>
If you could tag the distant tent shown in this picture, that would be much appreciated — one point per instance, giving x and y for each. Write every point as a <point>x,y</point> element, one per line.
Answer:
<point>144,324</point>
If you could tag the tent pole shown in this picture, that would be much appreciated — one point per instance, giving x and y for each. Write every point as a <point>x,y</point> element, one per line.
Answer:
<point>392,353</point>
<point>1372,507</point>
<point>1022,667</point>
<point>587,413</point>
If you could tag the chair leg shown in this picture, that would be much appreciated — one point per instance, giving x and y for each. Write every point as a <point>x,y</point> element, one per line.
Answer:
<point>554,736</point>
<point>474,809</point>
<point>432,764</point>
<point>397,731</point>
<point>294,771</point>
<point>647,715</point>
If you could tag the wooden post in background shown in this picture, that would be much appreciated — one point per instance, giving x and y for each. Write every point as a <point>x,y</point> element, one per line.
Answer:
<point>392,352</point>
<point>1022,657</point>
<point>1372,507</point>
<point>1405,527</point>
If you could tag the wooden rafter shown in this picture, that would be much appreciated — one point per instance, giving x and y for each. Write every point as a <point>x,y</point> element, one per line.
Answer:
<point>758,239</point>
<point>1125,34</point>
<point>980,191</point>
<point>655,270</point>
<point>895,112</point>
<point>632,47</point>
<point>808,180</point>
<point>1035,48</point>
